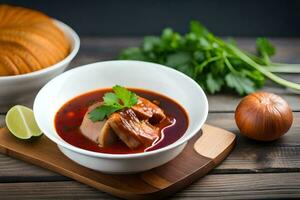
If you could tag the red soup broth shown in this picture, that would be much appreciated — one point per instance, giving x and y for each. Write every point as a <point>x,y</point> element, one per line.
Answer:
<point>69,117</point>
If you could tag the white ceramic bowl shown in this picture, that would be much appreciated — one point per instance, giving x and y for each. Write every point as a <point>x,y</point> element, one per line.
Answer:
<point>20,89</point>
<point>134,74</point>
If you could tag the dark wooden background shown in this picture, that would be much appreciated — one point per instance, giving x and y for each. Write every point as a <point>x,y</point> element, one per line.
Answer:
<point>278,18</point>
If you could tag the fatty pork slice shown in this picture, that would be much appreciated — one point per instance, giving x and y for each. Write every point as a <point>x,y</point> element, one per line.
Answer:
<point>145,109</point>
<point>98,132</point>
<point>131,130</point>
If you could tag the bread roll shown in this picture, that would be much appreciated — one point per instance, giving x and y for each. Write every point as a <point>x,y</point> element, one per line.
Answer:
<point>29,41</point>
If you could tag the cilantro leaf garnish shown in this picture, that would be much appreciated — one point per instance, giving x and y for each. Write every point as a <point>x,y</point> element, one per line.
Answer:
<point>102,112</point>
<point>112,102</point>
<point>127,97</point>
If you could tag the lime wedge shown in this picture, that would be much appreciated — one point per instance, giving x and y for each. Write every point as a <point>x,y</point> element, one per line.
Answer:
<point>21,123</point>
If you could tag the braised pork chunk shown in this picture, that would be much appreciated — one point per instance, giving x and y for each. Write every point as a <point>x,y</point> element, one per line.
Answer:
<point>135,126</point>
<point>132,131</point>
<point>100,131</point>
<point>145,109</point>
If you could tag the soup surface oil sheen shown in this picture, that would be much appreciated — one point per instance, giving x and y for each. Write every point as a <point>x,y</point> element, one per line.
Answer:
<point>69,118</point>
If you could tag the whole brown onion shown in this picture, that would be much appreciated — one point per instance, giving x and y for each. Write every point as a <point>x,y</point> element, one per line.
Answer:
<point>263,116</point>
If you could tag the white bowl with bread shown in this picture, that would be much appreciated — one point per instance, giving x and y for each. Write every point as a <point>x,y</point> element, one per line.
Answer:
<point>34,48</point>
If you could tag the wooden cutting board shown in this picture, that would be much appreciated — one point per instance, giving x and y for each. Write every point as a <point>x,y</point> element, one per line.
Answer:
<point>203,152</point>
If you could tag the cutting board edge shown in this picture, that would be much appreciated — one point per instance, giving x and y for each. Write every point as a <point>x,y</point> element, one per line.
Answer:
<point>182,183</point>
<point>198,174</point>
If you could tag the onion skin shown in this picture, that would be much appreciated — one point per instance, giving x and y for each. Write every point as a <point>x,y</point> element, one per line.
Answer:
<point>263,116</point>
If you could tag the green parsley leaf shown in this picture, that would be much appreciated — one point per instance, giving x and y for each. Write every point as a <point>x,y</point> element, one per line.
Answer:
<point>265,49</point>
<point>127,97</point>
<point>112,102</point>
<point>242,85</point>
<point>111,99</point>
<point>213,63</point>
<point>213,84</point>
<point>197,28</point>
<point>150,43</point>
<point>102,112</point>
<point>177,59</point>
<point>264,45</point>
<point>188,69</point>
<point>133,54</point>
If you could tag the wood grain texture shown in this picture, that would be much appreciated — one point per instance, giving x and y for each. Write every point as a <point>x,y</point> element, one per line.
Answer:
<point>227,103</point>
<point>221,139</point>
<point>2,121</point>
<point>253,170</point>
<point>158,182</point>
<point>247,157</point>
<point>244,186</point>
<point>220,186</point>
<point>251,156</point>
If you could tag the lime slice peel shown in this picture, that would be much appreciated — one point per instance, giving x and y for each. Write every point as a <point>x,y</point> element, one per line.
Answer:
<point>21,122</point>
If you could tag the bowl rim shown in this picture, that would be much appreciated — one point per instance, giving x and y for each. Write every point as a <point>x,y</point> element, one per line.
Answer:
<point>67,30</point>
<point>177,143</point>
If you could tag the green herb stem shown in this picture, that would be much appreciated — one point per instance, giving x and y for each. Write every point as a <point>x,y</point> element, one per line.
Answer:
<point>231,68</point>
<point>284,68</point>
<point>203,64</point>
<point>263,69</point>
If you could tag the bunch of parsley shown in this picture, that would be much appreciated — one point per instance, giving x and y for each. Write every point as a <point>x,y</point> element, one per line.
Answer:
<point>213,63</point>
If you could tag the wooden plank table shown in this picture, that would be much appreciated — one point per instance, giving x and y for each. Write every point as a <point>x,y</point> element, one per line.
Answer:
<point>253,170</point>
